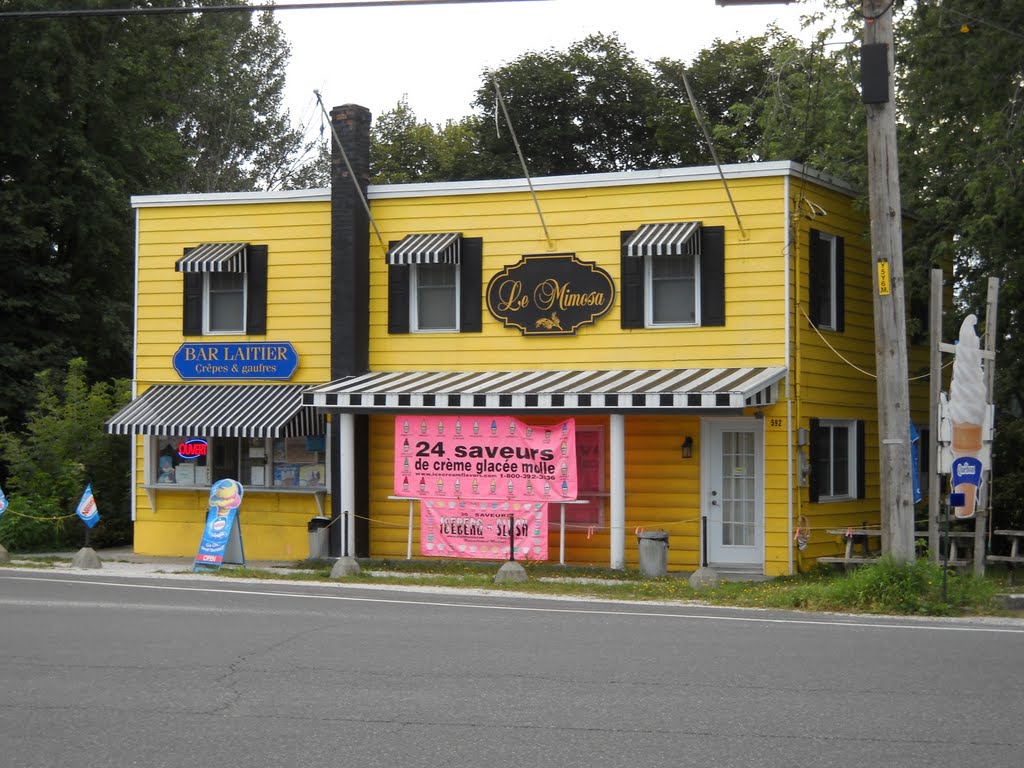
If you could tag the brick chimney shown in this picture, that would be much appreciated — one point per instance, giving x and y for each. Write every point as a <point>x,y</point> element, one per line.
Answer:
<point>350,243</point>
<point>350,308</point>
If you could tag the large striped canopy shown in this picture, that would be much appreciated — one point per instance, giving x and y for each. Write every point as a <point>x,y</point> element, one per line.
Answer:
<point>605,391</point>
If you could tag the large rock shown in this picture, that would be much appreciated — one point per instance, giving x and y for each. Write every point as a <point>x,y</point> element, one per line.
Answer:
<point>5,556</point>
<point>346,566</point>
<point>511,572</point>
<point>86,557</point>
<point>704,577</point>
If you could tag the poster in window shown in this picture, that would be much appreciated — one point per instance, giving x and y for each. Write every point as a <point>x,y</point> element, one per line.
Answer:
<point>257,475</point>
<point>165,470</point>
<point>186,473</point>
<point>202,475</point>
<point>286,475</point>
<point>311,474</point>
<point>297,451</point>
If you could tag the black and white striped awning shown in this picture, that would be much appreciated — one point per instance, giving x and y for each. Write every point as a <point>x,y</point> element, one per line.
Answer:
<point>621,391</point>
<point>441,248</point>
<point>219,410</point>
<point>676,239</point>
<point>213,257</point>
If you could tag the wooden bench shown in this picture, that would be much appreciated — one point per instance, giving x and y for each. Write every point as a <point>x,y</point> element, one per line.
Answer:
<point>961,547</point>
<point>1016,556</point>
<point>854,536</point>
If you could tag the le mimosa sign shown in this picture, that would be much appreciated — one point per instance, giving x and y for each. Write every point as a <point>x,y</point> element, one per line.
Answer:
<point>550,294</point>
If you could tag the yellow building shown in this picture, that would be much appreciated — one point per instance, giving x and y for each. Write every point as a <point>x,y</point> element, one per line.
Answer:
<point>712,352</point>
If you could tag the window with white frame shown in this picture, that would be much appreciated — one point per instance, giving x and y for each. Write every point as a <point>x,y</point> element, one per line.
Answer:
<point>435,297</point>
<point>836,459</point>
<point>672,275</point>
<point>827,281</point>
<point>224,302</point>
<point>224,289</point>
<point>434,284</point>
<point>673,283</point>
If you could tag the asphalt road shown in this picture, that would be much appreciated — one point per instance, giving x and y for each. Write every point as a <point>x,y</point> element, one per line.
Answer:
<point>101,671</point>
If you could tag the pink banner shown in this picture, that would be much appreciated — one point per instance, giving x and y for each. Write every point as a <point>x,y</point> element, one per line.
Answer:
<point>480,529</point>
<point>485,458</point>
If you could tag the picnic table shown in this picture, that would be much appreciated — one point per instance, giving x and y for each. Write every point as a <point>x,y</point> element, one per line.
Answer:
<point>864,538</point>
<point>1016,556</point>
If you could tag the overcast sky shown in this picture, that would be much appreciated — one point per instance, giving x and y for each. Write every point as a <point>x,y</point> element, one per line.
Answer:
<point>435,54</point>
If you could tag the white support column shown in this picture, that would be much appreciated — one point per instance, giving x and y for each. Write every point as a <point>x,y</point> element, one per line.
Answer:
<point>618,490</point>
<point>347,445</point>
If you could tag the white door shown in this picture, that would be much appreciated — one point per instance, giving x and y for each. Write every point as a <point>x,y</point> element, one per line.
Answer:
<point>733,491</point>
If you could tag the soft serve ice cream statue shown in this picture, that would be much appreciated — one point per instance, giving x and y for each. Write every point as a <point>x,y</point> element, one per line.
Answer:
<point>968,403</point>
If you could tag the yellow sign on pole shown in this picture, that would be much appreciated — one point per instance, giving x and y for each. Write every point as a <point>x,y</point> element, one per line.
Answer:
<point>883,278</point>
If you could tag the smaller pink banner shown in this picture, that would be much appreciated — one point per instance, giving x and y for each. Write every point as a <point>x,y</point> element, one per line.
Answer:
<point>480,529</point>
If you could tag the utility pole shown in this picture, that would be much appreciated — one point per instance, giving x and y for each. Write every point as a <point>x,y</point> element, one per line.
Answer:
<point>878,94</point>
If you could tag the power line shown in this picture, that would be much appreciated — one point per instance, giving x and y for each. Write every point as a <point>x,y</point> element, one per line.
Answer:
<point>168,10</point>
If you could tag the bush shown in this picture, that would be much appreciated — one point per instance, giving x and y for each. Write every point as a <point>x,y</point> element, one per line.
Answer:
<point>909,588</point>
<point>62,448</point>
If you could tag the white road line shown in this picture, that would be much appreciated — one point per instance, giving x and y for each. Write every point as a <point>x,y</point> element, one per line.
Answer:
<point>852,622</point>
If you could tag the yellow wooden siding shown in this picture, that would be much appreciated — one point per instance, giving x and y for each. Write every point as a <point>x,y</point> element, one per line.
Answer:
<point>298,279</point>
<point>298,311</point>
<point>834,372</point>
<point>589,223</point>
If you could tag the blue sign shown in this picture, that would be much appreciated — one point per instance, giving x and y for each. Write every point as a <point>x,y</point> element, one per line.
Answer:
<point>221,528</point>
<point>87,508</point>
<point>236,360</point>
<point>3,501</point>
<point>915,462</point>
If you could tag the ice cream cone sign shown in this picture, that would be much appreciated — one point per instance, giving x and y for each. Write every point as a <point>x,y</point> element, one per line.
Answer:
<point>966,422</point>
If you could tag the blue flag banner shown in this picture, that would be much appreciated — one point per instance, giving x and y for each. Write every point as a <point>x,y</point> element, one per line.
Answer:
<point>915,461</point>
<point>3,501</point>
<point>222,539</point>
<point>87,508</point>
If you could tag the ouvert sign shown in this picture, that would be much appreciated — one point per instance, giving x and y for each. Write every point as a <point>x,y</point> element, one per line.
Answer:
<point>550,294</point>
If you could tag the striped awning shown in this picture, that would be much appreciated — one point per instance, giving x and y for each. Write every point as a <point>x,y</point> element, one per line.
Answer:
<point>442,248</point>
<point>607,391</point>
<point>219,410</point>
<point>676,239</point>
<point>213,257</point>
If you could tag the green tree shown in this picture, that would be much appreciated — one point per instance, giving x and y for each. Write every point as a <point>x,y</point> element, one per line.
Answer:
<point>62,447</point>
<point>589,108</point>
<point>764,98</point>
<point>404,149</point>
<point>961,100</point>
<point>94,110</point>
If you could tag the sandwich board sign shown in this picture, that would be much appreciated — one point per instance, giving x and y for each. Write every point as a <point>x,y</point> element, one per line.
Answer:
<point>222,535</point>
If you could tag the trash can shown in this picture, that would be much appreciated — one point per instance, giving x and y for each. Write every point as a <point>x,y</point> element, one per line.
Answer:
<point>653,547</point>
<point>318,546</point>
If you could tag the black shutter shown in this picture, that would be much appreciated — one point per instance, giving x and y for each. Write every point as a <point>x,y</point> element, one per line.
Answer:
<point>631,288</point>
<point>861,483</point>
<point>192,303</point>
<point>840,282</point>
<point>815,448</point>
<point>256,290</point>
<point>398,295</point>
<point>819,277</point>
<point>712,276</point>
<point>471,272</point>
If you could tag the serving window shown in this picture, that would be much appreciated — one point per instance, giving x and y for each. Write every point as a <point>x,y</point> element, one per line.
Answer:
<point>290,462</point>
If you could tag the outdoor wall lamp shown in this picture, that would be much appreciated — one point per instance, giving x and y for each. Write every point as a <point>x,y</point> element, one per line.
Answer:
<point>687,447</point>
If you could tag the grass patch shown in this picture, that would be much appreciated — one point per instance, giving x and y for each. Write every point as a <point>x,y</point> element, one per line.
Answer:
<point>884,587</point>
